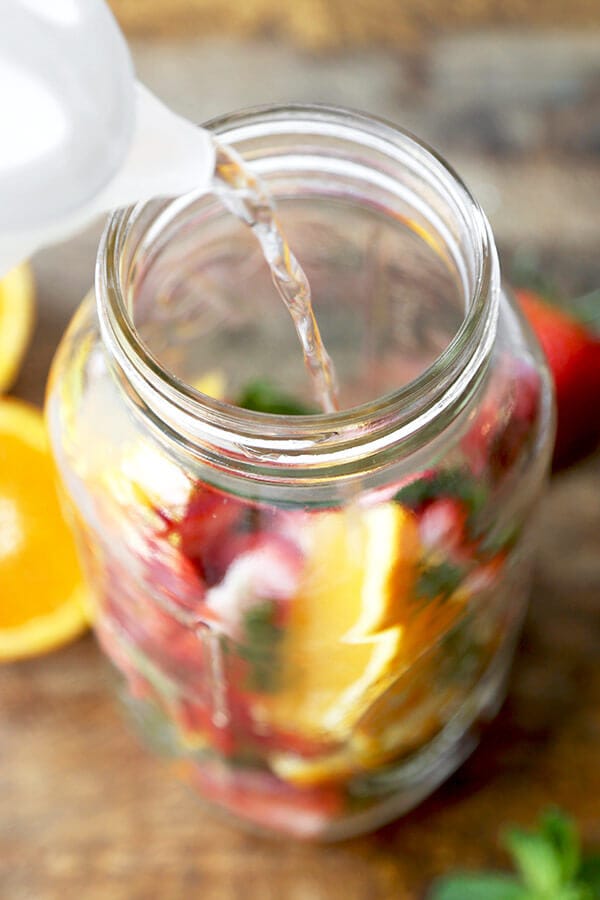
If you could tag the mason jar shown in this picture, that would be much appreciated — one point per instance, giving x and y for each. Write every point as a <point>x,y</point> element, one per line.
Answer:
<point>311,614</point>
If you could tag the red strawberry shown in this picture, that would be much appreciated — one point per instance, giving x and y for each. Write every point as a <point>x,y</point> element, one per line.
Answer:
<point>442,525</point>
<point>216,528</point>
<point>502,427</point>
<point>258,796</point>
<point>573,354</point>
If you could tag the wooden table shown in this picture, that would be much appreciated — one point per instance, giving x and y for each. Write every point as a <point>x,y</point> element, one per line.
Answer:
<point>86,814</point>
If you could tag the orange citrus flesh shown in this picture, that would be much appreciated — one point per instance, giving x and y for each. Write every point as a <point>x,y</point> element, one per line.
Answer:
<point>16,320</point>
<point>355,662</point>
<point>360,568</point>
<point>41,592</point>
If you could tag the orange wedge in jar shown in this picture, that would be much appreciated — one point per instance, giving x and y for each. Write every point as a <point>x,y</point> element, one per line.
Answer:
<point>16,321</point>
<point>356,634</point>
<point>343,643</point>
<point>41,589</point>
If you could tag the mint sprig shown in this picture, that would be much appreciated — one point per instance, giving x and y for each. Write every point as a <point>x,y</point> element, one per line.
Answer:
<point>438,582</point>
<point>548,866</point>
<point>457,484</point>
<point>262,396</point>
<point>261,646</point>
<point>589,873</point>
<point>479,887</point>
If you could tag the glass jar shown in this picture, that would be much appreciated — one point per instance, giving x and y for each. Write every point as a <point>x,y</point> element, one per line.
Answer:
<point>311,614</point>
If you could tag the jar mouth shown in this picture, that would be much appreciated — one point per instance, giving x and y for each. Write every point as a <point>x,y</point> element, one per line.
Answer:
<point>396,423</point>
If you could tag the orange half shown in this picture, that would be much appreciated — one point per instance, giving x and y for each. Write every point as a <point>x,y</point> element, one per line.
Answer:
<point>41,588</point>
<point>345,641</point>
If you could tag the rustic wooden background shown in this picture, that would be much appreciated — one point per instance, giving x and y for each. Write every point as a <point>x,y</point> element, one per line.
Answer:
<point>327,24</point>
<point>84,811</point>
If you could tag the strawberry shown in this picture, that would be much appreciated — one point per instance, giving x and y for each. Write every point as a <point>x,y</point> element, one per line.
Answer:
<point>442,525</point>
<point>217,528</point>
<point>502,429</point>
<point>259,797</point>
<point>573,354</point>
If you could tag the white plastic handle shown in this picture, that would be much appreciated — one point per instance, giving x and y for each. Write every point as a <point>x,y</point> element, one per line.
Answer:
<point>66,107</point>
<point>78,136</point>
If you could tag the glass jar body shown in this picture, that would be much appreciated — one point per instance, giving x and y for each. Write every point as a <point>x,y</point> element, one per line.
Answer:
<point>313,644</point>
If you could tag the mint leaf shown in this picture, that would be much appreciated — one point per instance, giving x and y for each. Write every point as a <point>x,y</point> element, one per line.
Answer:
<point>494,886</point>
<point>537,859</point>
<point>498,541</point>
<point>457,484</point>
<point>461,654</point>
<point>438,581</point>
<point>589,876</point>
<point>567,892</point>
<point>262,396</point>
<point>261,646</point>
<point>548,861</point>
<point>561,832</point>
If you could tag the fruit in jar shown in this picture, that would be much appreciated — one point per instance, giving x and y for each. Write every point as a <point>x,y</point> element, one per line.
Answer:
<point>293,651</point>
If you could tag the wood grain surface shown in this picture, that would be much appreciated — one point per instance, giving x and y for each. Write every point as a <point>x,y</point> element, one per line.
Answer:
<point>326,24</point>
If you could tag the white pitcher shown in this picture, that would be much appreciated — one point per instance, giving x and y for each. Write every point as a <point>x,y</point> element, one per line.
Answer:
<point>78,134</point>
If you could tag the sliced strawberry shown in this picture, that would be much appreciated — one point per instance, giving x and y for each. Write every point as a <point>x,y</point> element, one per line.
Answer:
<point>486,575</point>
<point>216,528</point>
<point>516,429</point>
<point>504,424</point>
<point>208,522</point>
<point>170,575</point>
<point>442,525</point>
<point>138,615</point>
<point>199,719</point>
<point>260,567</point>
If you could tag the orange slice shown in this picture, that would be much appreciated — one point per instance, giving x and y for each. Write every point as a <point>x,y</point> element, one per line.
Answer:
<point>147,479</point>
<point>212,383</point>
<point>392,548</point>
<point>16,320</point>
<point>41,590</point>
<point>343,644</point>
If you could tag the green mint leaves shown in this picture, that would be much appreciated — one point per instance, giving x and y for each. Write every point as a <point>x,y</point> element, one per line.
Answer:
<point>548,858</point>
<point>456,483</point>
<point>548,865</point>
<point>479,887</point>
<point>439,581</point>
<point>262,396</point>
<point>260,646</point>
<point>589,874</point>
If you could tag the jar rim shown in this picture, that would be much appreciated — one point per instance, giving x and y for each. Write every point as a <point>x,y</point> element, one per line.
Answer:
<point>402,419</point>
